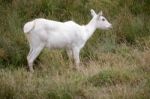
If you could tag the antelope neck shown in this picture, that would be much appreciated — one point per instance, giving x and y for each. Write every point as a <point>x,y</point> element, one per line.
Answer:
<point>90,28</point>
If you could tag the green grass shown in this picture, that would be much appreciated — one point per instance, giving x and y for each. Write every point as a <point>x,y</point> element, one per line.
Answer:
<point>114,64</point>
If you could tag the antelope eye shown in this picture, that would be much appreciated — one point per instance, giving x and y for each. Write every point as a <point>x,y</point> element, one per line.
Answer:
<point>103,19</point>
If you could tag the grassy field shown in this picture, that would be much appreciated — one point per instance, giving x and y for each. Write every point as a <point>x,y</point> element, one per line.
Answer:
<point>120,75</point>
<point>115,63</point>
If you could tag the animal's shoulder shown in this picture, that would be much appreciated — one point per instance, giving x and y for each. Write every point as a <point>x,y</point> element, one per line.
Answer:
<point>71,22</point>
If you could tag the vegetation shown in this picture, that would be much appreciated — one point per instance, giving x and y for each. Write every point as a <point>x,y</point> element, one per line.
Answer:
<point>115,63</point>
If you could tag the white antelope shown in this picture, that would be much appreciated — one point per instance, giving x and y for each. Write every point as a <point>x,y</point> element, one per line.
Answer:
<point>42,33</point>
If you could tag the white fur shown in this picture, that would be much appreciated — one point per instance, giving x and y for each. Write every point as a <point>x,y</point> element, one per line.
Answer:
<point>43,33</point>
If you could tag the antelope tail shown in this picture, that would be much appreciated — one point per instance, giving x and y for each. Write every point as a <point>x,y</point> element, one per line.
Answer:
<point>29,26</point>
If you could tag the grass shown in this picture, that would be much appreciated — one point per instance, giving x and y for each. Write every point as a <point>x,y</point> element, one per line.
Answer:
<point>115,63</point>
<point>114,75</point>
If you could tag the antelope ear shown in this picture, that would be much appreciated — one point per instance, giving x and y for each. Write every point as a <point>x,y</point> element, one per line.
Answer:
<point>93,12</point>
<point>100,13</point>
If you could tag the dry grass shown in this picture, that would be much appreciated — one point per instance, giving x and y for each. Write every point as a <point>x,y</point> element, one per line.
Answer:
<point>120,75</point>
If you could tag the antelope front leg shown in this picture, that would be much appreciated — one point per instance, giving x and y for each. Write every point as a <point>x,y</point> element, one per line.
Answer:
<point>76,52</point>
<point>70,54</point>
